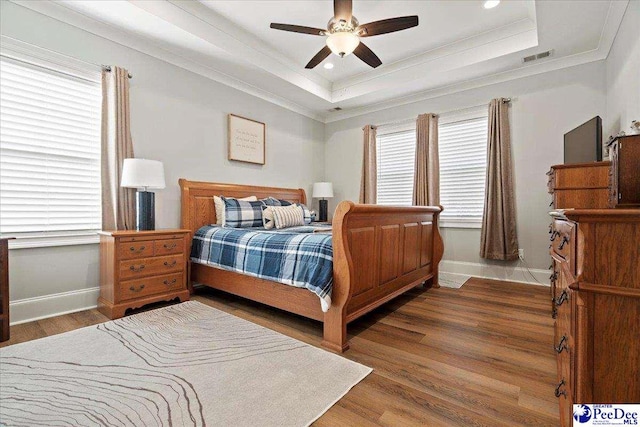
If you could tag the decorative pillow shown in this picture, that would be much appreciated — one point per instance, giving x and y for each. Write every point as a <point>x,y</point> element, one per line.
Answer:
<point>219,204</point>
<point>272,201</point>
<point>242,214</point>
<point>306,213</point>
<point>267,217</point>
<point>287,216</point>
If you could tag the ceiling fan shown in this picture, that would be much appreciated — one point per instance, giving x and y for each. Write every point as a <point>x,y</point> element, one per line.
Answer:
<point>344,33</point>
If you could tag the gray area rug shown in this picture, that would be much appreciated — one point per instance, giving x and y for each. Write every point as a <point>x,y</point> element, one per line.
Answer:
<point>183,365</point>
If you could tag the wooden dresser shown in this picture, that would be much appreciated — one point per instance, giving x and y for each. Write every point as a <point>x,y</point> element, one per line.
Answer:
<point>596,299</point>
<point>583,185</point>
<point>625,172</point>
<point>141,267</point>
<point>4,289</point>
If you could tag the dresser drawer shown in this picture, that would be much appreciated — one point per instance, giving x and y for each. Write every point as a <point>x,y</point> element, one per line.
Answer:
<point>130,250</point>
<point>168,246</point>
<point>151,266</point>
<point>137,288</point>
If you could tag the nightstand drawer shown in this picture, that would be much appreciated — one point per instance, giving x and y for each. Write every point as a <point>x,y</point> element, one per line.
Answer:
<point>132,289</point>
<point>151,266</point>
<point>129,250</point>
<point>168,246</point>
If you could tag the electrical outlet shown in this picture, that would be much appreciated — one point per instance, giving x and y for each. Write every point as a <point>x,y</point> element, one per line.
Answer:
<point>521,254</point>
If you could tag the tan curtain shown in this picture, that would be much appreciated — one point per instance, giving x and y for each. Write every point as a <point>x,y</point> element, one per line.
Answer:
<point>369,182</point>
<point>118,204</point>
<point>426,178</point>
<point>498,237</point>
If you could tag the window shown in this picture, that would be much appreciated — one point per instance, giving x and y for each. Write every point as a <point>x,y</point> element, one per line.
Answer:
<point>396,153</point>
<point>462,149</point>
<point>49,151</point>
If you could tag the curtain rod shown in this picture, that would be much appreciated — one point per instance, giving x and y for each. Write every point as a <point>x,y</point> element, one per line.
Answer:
<point>107,68</point>
<point>408,120</point>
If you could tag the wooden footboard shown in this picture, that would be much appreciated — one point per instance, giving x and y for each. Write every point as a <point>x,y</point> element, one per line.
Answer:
<point>379,252</point>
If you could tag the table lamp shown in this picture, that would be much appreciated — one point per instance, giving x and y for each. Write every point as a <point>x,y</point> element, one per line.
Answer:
<point>143,175</point>
<point>322,191</point>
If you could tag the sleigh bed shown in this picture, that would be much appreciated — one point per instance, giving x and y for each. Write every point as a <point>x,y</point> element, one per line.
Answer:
<point>379,252</point>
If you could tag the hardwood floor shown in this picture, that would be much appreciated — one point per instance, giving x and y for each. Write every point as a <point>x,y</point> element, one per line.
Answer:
<point>480,355</point>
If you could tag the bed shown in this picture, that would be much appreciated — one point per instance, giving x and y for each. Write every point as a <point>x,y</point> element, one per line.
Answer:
<point>379,252</point>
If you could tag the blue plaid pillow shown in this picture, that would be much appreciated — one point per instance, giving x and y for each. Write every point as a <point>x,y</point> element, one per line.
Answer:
<point>306,213</point>
<point>272,201</point>
<point>242,214</point>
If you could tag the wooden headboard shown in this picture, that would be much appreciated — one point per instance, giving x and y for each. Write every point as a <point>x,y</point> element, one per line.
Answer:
<point>197,199</point>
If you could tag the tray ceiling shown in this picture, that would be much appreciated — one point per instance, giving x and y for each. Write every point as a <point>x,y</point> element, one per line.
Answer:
<point>457,44</point>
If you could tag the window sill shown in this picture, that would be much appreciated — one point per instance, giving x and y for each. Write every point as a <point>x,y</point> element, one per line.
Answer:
<point>45,241</point>
<point>448,223</point>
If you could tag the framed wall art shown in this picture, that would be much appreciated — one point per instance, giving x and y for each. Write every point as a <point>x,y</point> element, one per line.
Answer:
<point>246,140</point>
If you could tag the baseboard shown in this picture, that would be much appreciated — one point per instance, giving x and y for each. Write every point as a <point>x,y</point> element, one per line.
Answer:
<point>512,273</point>
<point>30,309</point>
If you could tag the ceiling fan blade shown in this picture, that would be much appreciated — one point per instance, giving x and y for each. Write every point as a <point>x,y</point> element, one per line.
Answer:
<point>385,26</point>
<point>342,9</point>
<point>367,55</point>
<point>320,56</point>
<point>298,29</point>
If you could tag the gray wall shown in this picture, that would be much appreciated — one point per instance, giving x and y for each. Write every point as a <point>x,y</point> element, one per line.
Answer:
<point>178,118</point>
<point>546,106</point>
<point>623,74</point>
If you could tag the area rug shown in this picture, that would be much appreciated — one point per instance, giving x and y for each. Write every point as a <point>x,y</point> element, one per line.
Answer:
<point>183,365</point>
<point>452,280</point>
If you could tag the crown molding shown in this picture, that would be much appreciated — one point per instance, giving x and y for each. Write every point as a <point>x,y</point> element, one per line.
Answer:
<point>201,21</point>
<point>63,14</point>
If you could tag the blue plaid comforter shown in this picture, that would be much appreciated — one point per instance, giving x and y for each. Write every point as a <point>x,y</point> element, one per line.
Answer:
<point>293,256</point>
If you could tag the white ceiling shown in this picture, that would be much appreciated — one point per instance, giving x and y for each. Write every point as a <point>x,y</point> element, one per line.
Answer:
<point>458,44</point>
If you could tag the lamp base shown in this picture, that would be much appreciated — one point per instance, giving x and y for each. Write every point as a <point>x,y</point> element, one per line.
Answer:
<point>146,217</point>
<point>323,210</point>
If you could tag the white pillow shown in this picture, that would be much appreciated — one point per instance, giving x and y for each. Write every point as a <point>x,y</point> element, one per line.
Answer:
<point>220,210</point>
<point>287,216</point>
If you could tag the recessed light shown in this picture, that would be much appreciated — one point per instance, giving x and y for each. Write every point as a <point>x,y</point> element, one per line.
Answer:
<point>490,4</point>
<point>328,66</point>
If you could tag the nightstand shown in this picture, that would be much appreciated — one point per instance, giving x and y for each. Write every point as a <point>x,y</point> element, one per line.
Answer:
<point>141,267</point>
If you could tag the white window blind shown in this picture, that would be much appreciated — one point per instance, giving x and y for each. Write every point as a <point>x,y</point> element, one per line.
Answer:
<point>463,164</point>
<point>396,152</point>
<point>49,151</point>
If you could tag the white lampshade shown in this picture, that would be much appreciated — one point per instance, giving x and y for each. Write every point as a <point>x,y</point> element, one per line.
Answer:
<point>322,190</point>
<point>142,173</point>
<point>343,43</point>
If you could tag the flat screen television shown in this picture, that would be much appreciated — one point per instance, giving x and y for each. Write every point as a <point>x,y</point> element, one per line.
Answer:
<point>584,143</point>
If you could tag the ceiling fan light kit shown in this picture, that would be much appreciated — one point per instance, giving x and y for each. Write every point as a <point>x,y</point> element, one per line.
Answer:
<point>344,33</point>
<point>343,43</point>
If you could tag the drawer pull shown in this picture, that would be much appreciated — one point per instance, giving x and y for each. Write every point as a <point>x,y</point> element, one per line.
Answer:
<point>562,345</point>
<point>167,264</point>
<point>564,296</point>
<point>554,311</point>
<point>553,277</point>
<point>138,269</point>
<point>169,246</point>
<point>170,282</point>
<point>554,234</point>
<point>550,228</point>
<point>565,240</point>
<point>133,288</point>
<point>559,393</point>
<point>551,204</point>
<point>133,249</point>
